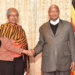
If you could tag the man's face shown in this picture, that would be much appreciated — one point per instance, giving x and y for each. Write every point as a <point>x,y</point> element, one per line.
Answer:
<point>13,17</point>
<point>54,13</point>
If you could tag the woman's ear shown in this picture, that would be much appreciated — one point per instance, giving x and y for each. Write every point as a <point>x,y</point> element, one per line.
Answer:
<point>0,43</point>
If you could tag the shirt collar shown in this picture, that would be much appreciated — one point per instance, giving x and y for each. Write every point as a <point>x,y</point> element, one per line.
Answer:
<point>54,22</point>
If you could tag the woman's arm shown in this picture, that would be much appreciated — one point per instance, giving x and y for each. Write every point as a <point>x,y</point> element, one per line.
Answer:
<point>8,44</point>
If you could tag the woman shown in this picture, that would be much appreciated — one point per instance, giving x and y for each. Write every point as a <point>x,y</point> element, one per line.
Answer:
<point>13,46</point>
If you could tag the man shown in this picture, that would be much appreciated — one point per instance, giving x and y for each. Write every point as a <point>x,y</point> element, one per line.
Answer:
<point>56,43</point>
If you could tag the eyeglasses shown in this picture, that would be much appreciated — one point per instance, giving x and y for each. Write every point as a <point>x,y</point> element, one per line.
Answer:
<point>13,15</point>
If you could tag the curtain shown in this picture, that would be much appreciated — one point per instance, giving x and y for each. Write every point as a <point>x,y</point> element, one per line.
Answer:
<point>32,14</point>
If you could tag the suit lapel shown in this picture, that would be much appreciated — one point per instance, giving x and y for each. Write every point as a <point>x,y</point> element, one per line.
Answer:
<point>60,26</point>
<point>50,30</point>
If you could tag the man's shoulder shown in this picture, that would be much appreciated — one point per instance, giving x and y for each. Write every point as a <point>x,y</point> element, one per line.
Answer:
<point>44,25</point>
<point>66,22</point>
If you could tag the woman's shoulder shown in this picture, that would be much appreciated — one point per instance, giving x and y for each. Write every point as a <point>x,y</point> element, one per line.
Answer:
<point>3,25</point>
<point>20,27</point>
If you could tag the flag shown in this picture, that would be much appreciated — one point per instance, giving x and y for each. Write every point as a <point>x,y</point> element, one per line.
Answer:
<point>73,22</point>
<point>72,72</point>
<point>73,14</point>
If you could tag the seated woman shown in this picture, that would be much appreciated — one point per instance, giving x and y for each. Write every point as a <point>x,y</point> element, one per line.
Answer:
<point>13,46</point>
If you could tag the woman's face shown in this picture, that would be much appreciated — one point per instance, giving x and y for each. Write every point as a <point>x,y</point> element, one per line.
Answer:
<point>13,17</point>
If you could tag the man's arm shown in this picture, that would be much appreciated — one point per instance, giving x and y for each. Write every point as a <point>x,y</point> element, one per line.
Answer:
<point>72,47</point>
<point>72,43</point>
<point>40,44</point>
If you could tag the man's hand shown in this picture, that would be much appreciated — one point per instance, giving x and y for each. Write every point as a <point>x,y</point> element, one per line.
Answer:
<point>30,52</point>
<point>72,67</point>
